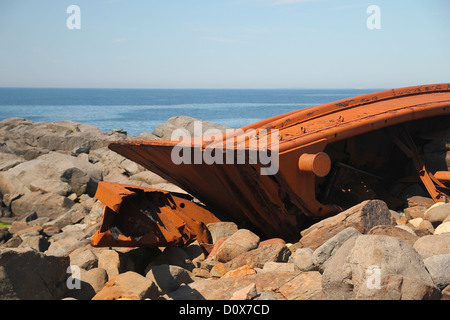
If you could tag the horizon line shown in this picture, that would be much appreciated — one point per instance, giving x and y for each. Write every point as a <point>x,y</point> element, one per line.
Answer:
<point>200,88</point>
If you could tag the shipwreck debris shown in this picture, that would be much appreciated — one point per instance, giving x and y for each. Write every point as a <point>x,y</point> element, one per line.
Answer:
<point>136,216</point>
<point>330,157</point>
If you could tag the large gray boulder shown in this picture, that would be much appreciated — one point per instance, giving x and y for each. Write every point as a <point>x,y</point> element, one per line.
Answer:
<point>377,267</point>
<point>31,139</point>
<point>439,268</point>
<point>194,127</point>
<point>30,275</point>
<point>63,170</point>
<point>326,250</point>
<point>49,205</point>
<point>363,217</point>
<point>431,245</point>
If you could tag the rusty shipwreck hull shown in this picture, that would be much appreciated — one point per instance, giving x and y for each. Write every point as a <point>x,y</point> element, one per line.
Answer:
<point>330,157</point>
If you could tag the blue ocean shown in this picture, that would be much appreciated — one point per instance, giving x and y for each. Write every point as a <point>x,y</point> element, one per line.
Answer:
<point>141,110</point>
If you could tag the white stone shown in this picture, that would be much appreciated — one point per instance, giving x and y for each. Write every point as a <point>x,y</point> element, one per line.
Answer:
<point>443,227</point>
<point>416,222</point>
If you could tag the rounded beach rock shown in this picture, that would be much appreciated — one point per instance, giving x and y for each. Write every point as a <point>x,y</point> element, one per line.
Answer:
<point>241,241</point>
<point>377,267</point>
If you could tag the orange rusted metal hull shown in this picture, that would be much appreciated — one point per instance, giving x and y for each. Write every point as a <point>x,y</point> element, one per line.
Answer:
<point>137,216</point>
<point>282,203</point>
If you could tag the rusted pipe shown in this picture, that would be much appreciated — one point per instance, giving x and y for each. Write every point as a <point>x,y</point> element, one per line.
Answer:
<point>319,163</point>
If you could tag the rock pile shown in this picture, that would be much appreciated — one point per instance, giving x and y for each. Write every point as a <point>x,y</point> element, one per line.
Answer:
<point>48,176</point>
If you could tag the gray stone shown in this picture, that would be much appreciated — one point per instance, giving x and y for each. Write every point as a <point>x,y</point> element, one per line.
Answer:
<point>305,286</point>
<point>326,250</point>
<point>44,204</point>
<point>258,257</point>
<point>74,215</point>
<point>208,263</point>
<point>81,176</point>
<point>51,231</point>
<point>246,293</point>
<point>415,212</point>
<point>363,217</point>
<point>130,167</point>
<point>65,246</point>
<point>241,241</point>
<point>265,296</point>
<point>271,266</point>
<point>113,262</point>
<point>437,213</point>
<point>29,217</point>
<point>168,278</point>
<point>439,268</point>
<point>195,252</point>
<point>17,226</point>
<point>219,230</point>
<point>83,148</point>
<point>83,258</point>
<point>13,242</point>
<point>30,275</point>
<point>8,198</point>
<point>443,228</point>
<point>431,245</point>
<point>10,184</point>
<point>148,177</point>
<point>146,136</point>
<point>39,221</point>
<point>30,139</point>
<point>223,288</point>
<point>304,259</point>
<point>9,160</point>
<point>130,286</point>
<point>189,125</point>
<point>400,231</point>
<point>50,185</point>
<point>37,242</point>
<point>415,201</point>
<point>377,267</point>
<point>91,282</point>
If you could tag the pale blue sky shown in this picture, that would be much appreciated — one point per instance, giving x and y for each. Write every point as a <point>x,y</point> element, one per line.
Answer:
<point>224,44</point>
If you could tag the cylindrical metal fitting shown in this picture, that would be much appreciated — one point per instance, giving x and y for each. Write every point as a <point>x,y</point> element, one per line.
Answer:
<point>318,163</point>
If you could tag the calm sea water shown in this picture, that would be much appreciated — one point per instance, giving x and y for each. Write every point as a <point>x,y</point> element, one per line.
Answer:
<point>141,110</point>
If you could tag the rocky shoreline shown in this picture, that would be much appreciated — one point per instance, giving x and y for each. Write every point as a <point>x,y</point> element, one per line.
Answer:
<point>48,177</point>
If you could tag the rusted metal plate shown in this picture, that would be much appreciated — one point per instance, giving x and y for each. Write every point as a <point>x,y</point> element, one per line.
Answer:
<point>137,217</point>
<point>315,150</point>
